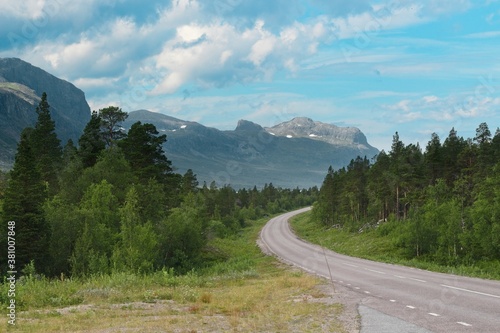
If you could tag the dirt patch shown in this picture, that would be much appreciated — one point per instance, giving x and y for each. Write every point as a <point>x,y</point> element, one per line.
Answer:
<point>349,316</point>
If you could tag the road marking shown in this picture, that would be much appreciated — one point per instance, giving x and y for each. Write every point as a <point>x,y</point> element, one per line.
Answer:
<point>367,292</point>
<point>410,307</point>
<point>409,278</point>
<point>464,324</point>
<point>341,281</point>
<point>374,271</point>
<point>434,314</point>
<point>350,265</point>
<point>470,291</point>
<point>357,288</point>
<point>348,284</point>
<point>392,300</point>
<point>417,280</point>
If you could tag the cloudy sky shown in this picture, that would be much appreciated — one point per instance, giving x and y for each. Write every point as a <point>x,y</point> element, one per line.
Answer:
<point>410,66</point>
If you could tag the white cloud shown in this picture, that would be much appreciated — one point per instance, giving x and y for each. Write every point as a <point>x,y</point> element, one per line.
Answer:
<point>120,56</point>
<point>449,108</point>
<point>217,53</point>
<point>445,7</point>
<point>430,99</point>
<point>379,94</point>
<point>261,49</point>
<point>30,9</point>
<point>484,34</point>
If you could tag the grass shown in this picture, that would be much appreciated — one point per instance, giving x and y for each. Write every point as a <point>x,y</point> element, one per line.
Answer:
<point>249,292</point>
<point>379,246</point>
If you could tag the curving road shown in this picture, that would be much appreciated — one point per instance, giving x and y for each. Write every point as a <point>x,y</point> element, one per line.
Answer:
<point>435,302</point>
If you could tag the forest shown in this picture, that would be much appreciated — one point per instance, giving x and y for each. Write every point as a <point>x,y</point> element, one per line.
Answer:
<point>112,202</point>
<point>440,204</point>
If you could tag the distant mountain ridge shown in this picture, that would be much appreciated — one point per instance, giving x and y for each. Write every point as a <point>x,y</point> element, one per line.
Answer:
<point>295,153</point>
<point>21,86</point>
<point>303,127</point>
<point>252,155</point>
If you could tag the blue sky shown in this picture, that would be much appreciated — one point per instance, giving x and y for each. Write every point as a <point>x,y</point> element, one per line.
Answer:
<point>415,67</point>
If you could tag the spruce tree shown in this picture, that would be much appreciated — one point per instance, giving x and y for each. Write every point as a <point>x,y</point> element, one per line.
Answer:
<point>23,204</point>
<point>46,146</point>
<point>91,143</point>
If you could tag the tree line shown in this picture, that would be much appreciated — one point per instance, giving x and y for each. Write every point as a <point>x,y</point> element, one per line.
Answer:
<point>113,202</point>
<point>441,204</point>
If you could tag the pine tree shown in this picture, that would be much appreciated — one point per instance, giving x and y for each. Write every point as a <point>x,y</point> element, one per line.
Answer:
<point>396,155</point>
<point>23,204</point>
<point>189,182</point>
<point>495,144</point>
<point>46,146</point>
<point>111,119</point>
<point>380,185</point>
<point>91,143</point>
<point>452,147</point>
<point>434,158</point>
<point>486,154</point>
<point>144,151</point>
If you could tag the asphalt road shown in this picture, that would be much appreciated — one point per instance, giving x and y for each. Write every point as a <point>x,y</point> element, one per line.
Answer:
<point>433,301</point>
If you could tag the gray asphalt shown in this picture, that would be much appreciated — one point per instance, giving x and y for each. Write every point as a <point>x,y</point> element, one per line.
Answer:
<point>412,300</point>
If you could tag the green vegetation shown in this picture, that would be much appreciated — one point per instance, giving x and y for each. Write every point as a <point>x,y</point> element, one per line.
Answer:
<point>382,244</point>
<point>243,290</point>
<point>114,204</point>
<point>109,227</point>
<point>436,208</point>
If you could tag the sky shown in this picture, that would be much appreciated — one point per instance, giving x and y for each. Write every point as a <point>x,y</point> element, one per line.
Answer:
<point>415,67</point>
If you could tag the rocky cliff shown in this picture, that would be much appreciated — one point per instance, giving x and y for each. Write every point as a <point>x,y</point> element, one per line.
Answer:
<point>21,86</point>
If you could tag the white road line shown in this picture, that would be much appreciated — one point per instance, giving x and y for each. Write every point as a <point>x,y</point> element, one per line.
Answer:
<point>392,300</point>
<point>357,288</point>
<point>434,314</point>
<point>350,265</point>
<point>409,278</point>
<point>410,307</point>
<point>470,291</point>
<point>367,292</point>
<point>464,324</point>
<point>374,271</point>
<point>418,280</point>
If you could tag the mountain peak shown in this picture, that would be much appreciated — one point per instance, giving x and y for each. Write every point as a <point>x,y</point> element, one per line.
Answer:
<point>246,125</point>
<point>303,127</point>
<point>301,121</point>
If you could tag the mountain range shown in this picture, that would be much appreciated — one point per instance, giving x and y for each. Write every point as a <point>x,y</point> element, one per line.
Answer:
<point>295,153</point>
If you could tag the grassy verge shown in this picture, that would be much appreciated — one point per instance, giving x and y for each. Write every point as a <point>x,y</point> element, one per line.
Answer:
<point>379,246</point>
<point>248,292</point>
